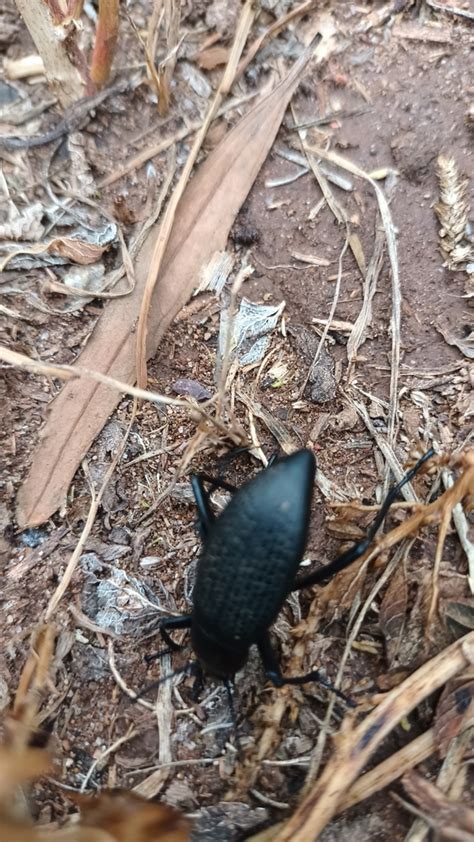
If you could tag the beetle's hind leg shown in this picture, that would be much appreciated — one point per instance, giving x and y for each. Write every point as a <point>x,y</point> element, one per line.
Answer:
<point>273,672</point>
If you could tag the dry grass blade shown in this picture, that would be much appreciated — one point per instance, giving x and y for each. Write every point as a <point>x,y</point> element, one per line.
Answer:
<point>452,211</point>
<point>356,743</point>
<point>389,229</point>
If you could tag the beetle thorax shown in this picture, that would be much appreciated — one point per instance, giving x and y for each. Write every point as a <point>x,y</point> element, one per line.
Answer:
<point>216,657</point>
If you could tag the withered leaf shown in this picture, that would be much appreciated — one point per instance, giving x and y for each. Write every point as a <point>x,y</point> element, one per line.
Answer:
<point>202,224</point>
<point>393,612</point>
<point>455,710</point>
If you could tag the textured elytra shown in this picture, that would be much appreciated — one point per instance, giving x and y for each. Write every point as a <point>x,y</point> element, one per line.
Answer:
<point>252,553</point>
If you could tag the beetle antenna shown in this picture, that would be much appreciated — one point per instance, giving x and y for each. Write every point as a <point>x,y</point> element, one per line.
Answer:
<point>393,494</point>
<point>230,687</point>
<point>190,668</point>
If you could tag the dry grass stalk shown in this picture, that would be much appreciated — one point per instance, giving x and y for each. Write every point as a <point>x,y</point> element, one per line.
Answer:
<point>452,211</point>
<point>390,234</point>
<point>172,19</point>
<point>69,372</point>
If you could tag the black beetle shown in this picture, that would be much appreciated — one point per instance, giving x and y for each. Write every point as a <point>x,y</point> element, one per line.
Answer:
<point>249,563</point>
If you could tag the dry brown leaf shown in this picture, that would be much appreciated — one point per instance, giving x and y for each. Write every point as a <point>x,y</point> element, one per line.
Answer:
<point>452,819</point>
<point>393,612</point>
<point>78,251</point>
<point>455,710</point>
<point>212,57</point>
<point>130,818</point>
<point>203,221</point>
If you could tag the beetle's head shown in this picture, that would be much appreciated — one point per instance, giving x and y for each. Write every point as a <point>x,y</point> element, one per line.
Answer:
<point>218,658</point>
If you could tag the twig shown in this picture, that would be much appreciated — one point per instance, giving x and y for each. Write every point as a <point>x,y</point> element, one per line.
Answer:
<point>122,684</point>
<point>462,527</point>
<point>69,372</point>
<point>327,326</point>
<point>131,733</point>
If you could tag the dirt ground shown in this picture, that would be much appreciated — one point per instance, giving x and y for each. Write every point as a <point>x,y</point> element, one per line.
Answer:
<point>392,97</point>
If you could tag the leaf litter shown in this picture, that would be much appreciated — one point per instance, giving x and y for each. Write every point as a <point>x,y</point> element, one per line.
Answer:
<point>338,594</point>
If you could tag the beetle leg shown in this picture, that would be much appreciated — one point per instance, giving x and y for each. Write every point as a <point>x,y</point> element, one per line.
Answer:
<point>203,499</point>
<point>355,552</point>
<point>273,672</point>
<point>181,622</point>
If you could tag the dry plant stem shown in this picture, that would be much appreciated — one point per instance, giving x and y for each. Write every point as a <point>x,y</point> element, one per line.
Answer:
<point>163,707</point>
<point>443,531</point>
<point>121,683</point>
<point>226,357</point>
<point>327,327</point>
<point>390,770</point>
<point>103,756</point>
<point>364,319</point>
<point>65,66</point>
<point>446,777</point>
<point>356,743</point>
<point>386,450</point>
<point>68,372</point>
<point>153,29</point>
<point>387,222</point>
<point>93,509</point>
<point>172,18</point>
<point>105,42</point>
<point>243,28</point>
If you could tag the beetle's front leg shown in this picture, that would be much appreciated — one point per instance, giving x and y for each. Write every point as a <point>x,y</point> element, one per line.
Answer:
<point>273,672</point>
<point>180,622</point>
<point>206,516</point>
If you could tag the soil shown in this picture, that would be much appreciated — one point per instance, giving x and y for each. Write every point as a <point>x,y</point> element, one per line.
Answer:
<point>397,95</point>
